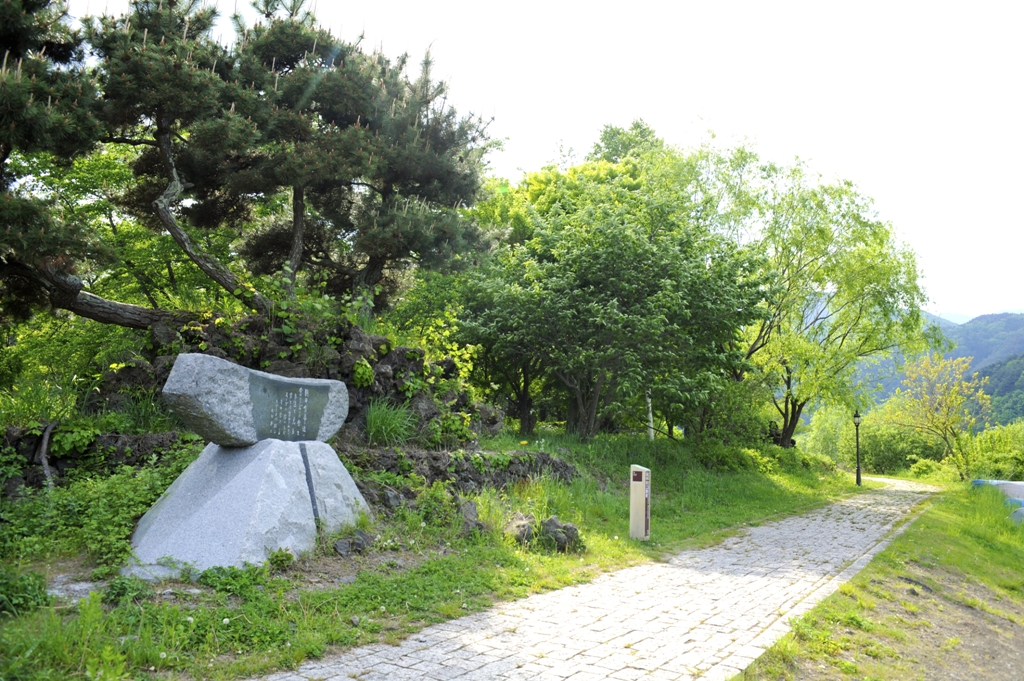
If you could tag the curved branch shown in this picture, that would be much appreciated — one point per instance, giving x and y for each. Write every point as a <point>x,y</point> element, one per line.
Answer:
<point>43,451</point>
<point>65,293</point>
<point>209,265</point>
<point>130,141</point>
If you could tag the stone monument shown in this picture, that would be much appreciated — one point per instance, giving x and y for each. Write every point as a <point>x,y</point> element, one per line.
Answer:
<point>265,482</point>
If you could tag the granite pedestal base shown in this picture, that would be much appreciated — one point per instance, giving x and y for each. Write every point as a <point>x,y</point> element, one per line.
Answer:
<point>237,505</point>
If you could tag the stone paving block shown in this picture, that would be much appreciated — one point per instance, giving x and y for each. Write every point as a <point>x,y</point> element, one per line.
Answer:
<point>628,674</point>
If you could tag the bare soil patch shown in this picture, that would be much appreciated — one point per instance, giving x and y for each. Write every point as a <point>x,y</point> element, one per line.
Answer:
<point>929,624</point>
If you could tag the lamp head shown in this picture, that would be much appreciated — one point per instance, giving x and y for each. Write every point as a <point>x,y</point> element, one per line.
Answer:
<point>856,418</point>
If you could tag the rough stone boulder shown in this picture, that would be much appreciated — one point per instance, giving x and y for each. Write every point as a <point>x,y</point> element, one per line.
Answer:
<point>234,506</point>
<point>564,536</point>
<point>267,482</point>
<point>236,407</point>
<point>520,527</point>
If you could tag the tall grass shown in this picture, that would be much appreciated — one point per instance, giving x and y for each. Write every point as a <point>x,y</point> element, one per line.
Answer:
<point>389,424</point>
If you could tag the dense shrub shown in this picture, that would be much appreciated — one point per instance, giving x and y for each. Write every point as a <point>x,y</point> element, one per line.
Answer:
<point>21,591</point>
<point>1000,452</point>
<point>94,514</point>
<point>925,468</point>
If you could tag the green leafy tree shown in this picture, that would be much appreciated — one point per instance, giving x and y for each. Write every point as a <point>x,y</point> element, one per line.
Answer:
<point>940,398</point>
<point>47,103</point>
<point>844,291</point>
<point>617,292</point>
<point>615,144</point>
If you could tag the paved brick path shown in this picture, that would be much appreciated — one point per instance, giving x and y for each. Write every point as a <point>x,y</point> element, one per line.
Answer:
<point>707,613</point>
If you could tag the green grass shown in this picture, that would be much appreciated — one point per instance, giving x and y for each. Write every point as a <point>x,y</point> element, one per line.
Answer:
<point>389,424</point>
<point>274,621</point>
<point>954,571</point>
<point>690,503</point>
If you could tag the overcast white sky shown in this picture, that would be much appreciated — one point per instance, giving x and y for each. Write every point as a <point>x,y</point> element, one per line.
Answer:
<point>920,104</point>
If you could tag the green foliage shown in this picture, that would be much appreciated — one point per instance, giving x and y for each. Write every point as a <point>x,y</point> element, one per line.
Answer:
<point>21,592</point>
<point>73,438</point>
<point>731,412</point>
<point>389,424</point>
<point>121,590</point>
<point>884,447</point>
<point>939,399</point>
<point>1000,452</point>
<point>280,560</point>
<point>616,144</point>
<point>925,468</point>
<point>362,374</point>
<point>11,365</point>
<point>562,305</point>
<point>95,514</point>
<point>437,505</point>
<point>451,429</point>
<point>65,357</point>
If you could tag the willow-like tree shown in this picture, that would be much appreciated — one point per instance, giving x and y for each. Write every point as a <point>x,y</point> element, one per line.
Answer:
<point>845,292</point>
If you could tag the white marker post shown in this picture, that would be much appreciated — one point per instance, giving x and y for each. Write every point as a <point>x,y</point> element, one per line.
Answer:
<point>639,503</point>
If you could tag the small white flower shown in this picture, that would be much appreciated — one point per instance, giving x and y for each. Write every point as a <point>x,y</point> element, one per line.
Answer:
<point>423,524</point>
<point>287,644</point>
<point>163,656</point>
<point>616,536</point>
<point>382,608</point>
<point>226,621</point>
<point>190,620</point>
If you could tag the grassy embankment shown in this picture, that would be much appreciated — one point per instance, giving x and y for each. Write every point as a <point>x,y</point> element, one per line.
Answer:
<point>241,622</point>
<point>947,595</point>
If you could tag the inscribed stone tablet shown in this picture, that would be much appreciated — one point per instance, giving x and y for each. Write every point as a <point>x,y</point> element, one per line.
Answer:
<point>236,407</point>
<point>286,410</point>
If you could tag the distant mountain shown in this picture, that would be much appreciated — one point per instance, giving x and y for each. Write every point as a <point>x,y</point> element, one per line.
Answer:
<point>988,339</point>
<point>1006,386</point>
<point>993,339</point>
<point>941,322</point>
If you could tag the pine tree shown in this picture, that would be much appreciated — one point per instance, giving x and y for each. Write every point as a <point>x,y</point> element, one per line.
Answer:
<point>47,103</point>
<point>377,167</point>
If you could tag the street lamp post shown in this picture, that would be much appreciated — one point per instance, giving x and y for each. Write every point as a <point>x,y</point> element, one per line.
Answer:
<point>856,425</point>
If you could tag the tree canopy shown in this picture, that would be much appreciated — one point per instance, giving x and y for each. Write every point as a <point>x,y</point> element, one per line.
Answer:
<point>295,150</point>
<point>611,289</point>
<point>844,291</point>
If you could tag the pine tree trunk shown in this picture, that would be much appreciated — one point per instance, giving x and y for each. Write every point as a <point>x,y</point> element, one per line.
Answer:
<point>298,231</point>
<point>122,314</point>
<point>65,293</point>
